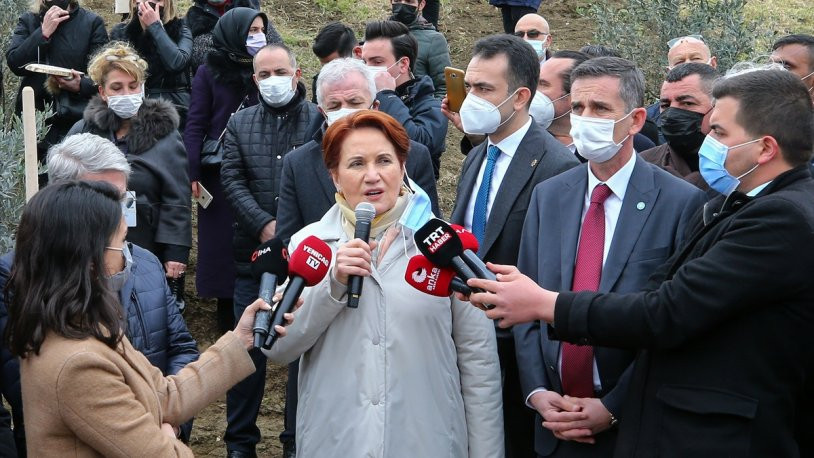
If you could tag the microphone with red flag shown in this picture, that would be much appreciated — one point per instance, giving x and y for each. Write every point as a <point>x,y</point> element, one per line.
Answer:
<point>470,244</point>
<point>307,265</point>
<point>422,275</point>
<point>269,267</point>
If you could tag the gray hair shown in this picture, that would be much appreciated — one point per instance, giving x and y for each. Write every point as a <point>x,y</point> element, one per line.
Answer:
<point>80,154</point>
<point>337,70</point>
<point>631,79</point>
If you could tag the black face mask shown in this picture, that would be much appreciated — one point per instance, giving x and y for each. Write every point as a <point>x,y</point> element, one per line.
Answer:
<point>682,129</point>
<point>60,3</point>
<point>406,14</point>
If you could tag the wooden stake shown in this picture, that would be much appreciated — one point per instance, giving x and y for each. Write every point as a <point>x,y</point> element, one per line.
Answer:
<point>30,141</point>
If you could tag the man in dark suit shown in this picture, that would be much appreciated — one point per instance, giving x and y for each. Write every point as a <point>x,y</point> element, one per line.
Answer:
<point>517,155</point>
<point>724,326</point>
<point>306,188</point>
<point>643,219</point>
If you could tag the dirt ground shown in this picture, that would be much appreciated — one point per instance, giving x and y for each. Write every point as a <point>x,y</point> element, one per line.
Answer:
<point>462,21</point>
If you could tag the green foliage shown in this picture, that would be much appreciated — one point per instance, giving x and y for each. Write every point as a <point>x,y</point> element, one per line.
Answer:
<point>346,9</point>
<point>640,30</point>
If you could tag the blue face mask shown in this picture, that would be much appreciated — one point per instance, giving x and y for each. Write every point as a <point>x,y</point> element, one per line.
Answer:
<point>419,209</point>
<point>711,161</point>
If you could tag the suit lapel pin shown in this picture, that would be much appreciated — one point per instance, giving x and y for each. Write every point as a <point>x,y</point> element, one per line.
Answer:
<point>640,206</point>
<point>534,162</point>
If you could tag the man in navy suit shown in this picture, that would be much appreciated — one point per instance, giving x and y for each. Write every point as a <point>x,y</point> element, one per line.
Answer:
<point>642,220</point>
<point>496,181</point>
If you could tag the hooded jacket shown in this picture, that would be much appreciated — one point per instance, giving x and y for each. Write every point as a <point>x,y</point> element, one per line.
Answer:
<point>256,140</point>
<point>159,174</point>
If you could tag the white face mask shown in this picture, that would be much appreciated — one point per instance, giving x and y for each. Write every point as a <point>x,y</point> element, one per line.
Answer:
<point>593,137</point>
<point>277,90</point>
<point>333,116</point>
<point>542,110</point>
<point>479,116</point>
<point>126,106</point>
<point>255,42</point>
<point>374,69</point>
<point>539,48</point>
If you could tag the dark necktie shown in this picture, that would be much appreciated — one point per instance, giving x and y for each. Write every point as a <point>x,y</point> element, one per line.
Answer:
<point>482,198</point>
<point>578,360</point>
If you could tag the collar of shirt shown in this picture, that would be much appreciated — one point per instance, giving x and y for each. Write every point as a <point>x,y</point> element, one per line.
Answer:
<point>757,190</point>
<point>618,182</point>
<point>509,145</point>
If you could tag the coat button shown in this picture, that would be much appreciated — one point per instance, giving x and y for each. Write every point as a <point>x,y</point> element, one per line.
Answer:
<point>375,402</point>
<point>375,341</point>
<point>279,157</point>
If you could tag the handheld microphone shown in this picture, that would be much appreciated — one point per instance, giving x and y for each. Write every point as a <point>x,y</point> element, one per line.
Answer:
<point>470,244</point>
<point>422,275</point>
<point>439,242</point>
<point>269,266</point>
<point>365,212</point>
<point>307,266</point>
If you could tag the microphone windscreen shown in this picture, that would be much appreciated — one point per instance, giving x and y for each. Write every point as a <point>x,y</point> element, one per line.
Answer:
<point>310,260</point>
<point>270,257</point>
<point>468,239</point>
<point>365,212</point>
<point>422,275</point>
<point>438,242</point>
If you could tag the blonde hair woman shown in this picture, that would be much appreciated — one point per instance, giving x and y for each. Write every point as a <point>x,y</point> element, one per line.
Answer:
<point>164,41</point>
<point>146,131</point>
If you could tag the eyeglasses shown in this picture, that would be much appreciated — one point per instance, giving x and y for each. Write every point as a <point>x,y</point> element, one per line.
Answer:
<point>532,34</point>
<point>672,43</point>
<point>112,248</point>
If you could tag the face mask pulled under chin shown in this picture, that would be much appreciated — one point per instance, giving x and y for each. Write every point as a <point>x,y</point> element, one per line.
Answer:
<point>116,281</point>
<point>593,137</point>
<point>481,117</point>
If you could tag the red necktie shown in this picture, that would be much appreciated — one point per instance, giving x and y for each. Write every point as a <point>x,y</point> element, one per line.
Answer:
<point>578,360</point>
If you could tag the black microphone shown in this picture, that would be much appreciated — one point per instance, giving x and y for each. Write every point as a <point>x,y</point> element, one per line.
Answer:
<point>269,267</point>
<point>470,244</point>
<point>365,212</point>
<point>308,265</point>
<point>439,243</point>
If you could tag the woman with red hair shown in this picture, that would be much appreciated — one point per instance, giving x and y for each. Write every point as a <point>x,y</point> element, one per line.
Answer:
<point>405,374</point>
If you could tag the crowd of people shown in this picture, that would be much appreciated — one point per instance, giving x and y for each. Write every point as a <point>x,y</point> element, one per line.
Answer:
<point>651,262</point>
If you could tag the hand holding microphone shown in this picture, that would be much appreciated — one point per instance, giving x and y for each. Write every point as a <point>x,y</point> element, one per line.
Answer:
<point>364,212</point>
<point>442,246</point>
<point>307,265</point>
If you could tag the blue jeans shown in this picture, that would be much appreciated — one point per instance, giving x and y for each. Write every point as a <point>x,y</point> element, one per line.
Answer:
<point>243,400</point>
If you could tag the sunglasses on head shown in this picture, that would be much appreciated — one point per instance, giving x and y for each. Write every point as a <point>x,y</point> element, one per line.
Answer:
<point>672,43</point>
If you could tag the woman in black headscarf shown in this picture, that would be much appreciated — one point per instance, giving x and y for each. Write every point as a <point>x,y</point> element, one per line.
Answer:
<point>219,88</point>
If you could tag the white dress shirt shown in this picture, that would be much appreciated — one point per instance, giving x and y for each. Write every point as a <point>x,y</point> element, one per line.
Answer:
<point>612,206</point>
<point>508,146</point>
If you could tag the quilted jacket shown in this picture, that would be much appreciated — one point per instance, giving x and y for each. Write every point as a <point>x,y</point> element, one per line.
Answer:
<point>256,140</point>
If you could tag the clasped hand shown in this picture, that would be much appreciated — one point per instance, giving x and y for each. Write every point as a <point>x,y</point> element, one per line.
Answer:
<point>569,418</point>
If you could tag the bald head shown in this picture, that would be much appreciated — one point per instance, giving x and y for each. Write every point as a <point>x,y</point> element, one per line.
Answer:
<point>690,49</point>
<point>534,29</point>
